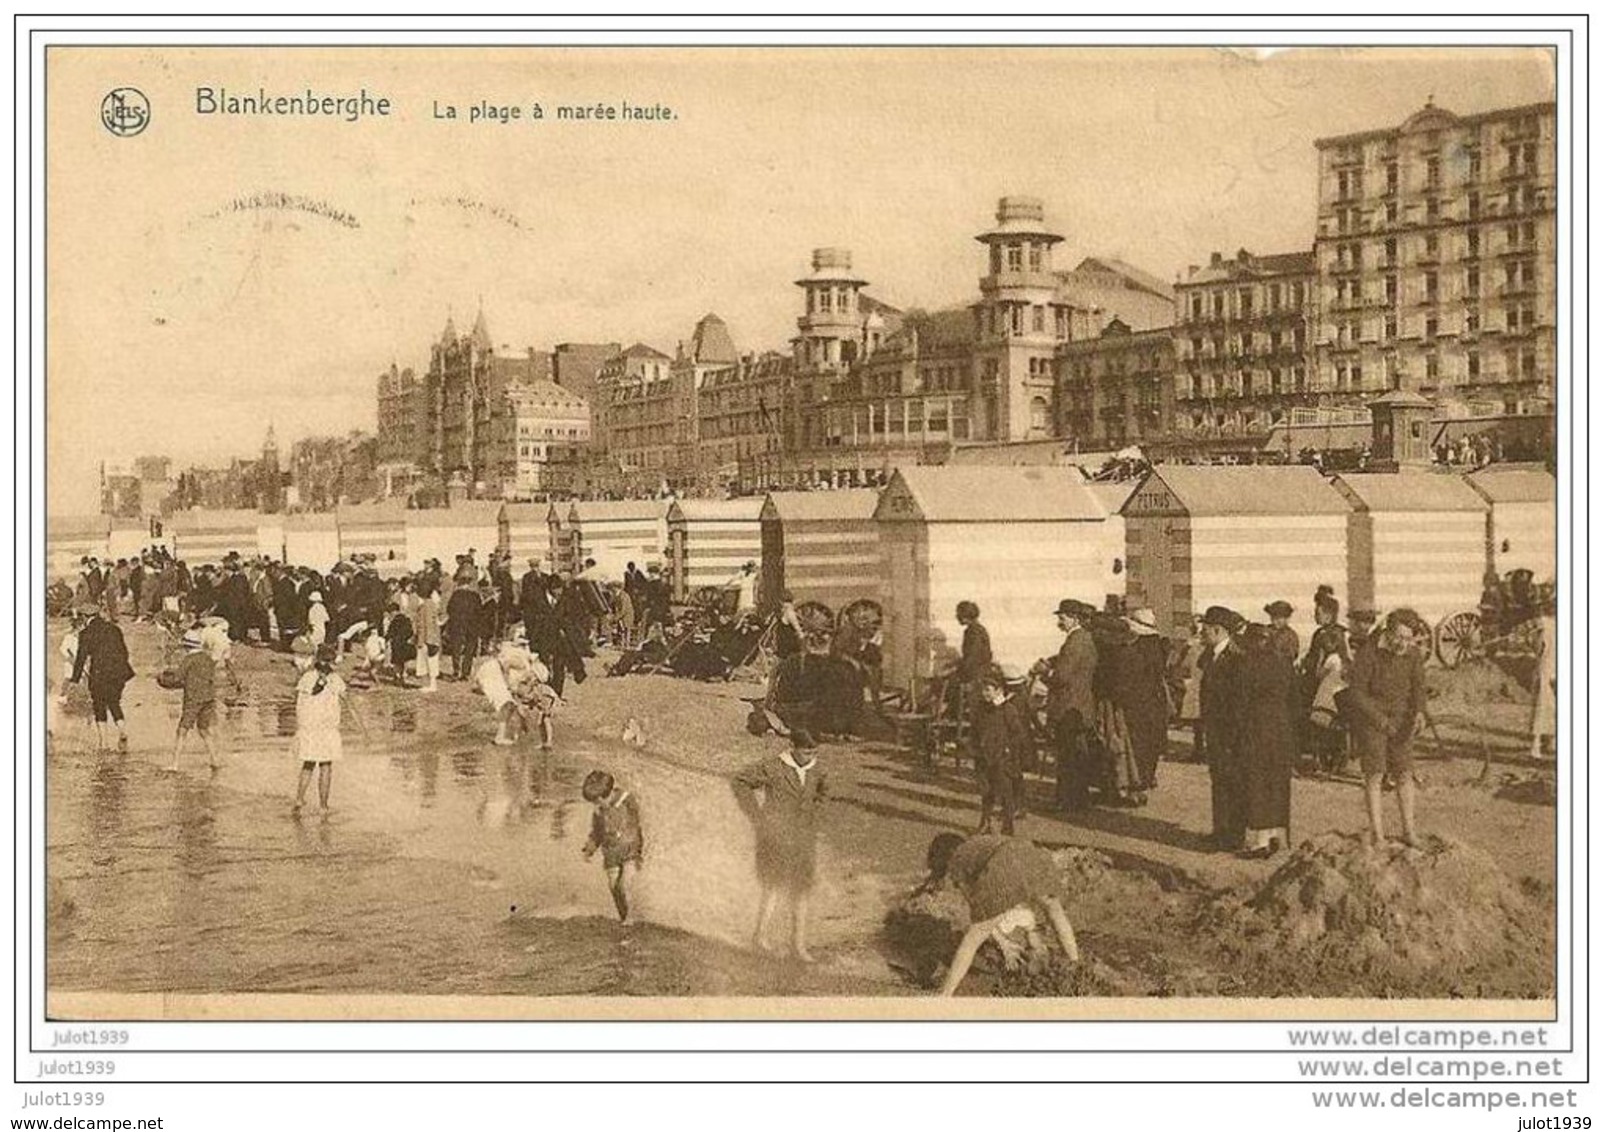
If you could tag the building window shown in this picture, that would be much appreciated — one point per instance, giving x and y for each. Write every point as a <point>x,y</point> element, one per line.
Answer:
<point>1472,322</point>
<point>1472,363</point>
<point>1035,257</point>
<point>1433,364</point>
<point>823,299</point>
<point>1433,173</point>
<point>1196,308</point>
<point>1391,212</point>
<point>1038,317</point>
<point>1015,257</point>
<point>1245,297</point>
<point>1218,304</point>
<point>1474,206</point>
<point>1391,178</point>
<point>1430,286</point>
<point>1016,318</point>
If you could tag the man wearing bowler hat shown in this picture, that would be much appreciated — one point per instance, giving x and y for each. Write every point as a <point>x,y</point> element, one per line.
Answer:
<point>1283,638</point>
<point>1223,702</point>
<point>1071,703</point>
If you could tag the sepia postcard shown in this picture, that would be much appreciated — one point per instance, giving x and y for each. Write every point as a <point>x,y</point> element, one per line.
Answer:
<point>900,532</point>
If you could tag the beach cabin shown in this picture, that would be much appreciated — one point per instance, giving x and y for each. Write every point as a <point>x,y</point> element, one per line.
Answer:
<point>616,532</point>
<point>378,529</point>
<point>312,540</point>
<point>202,535</point>
<point>526,533</point>
<point>821,546</point>
<point>1414,539</point>
<point>709,540</point>
<point>269,537</point>
<point>1013,540</point>
<point>445,532</point>
<point>1240,537</point>
<point>1522,524</point>
<point>131,537</point>
<point>71,538</point>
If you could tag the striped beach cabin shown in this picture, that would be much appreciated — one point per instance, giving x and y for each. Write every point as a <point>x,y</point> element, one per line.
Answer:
<point>822,546</point>
<point>378,529</point>
<point>445,532</point>
<point>1240,537</point>
<point>1522,525</point>
<point>616,532</point>
<point>709,540</point>
<point>312,539</point>
<point>203,535</point>
<point>526,533</point>
<point>71,538</point>
<point>131,537</point>
<point>1414,539</point>
<point>1013,540</point>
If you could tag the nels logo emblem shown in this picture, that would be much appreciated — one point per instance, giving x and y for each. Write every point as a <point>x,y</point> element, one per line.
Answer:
<point>125,112</point>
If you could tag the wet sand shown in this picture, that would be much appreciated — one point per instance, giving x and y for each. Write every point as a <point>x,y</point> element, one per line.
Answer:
<point>409,884</point>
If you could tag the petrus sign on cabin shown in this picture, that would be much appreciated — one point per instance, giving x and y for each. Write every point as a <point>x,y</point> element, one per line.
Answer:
<point>1239,537</point>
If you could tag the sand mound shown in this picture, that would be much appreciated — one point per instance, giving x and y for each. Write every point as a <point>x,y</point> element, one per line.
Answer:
<point>1339,918</point>
<point>924,930</point>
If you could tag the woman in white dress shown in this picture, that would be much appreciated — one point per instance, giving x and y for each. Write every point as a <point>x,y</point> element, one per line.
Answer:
<point>318,695</point>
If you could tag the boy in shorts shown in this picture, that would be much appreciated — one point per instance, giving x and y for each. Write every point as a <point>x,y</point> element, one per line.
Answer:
<point>199,673</point>
<point>1386,698</point>
<point>615,830</point>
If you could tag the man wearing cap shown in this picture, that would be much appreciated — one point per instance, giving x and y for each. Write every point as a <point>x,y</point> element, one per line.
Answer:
<point>1071,703</point>
<point>1223,696</point>
<point>1141,692</point>
<point>1282,637</point>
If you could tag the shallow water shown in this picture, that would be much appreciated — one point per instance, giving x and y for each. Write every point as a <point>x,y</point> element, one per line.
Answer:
<point>199,882</point>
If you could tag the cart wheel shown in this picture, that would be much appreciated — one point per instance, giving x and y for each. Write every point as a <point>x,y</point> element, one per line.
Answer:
<point>1458,638</point>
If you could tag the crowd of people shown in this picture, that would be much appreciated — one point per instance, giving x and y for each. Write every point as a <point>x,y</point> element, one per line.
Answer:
<point>1256,701</point>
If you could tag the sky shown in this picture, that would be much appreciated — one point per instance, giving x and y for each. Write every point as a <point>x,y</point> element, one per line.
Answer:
<point>180,323</point>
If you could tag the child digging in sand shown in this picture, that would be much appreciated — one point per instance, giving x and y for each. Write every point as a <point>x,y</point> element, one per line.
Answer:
<point>615,830</point>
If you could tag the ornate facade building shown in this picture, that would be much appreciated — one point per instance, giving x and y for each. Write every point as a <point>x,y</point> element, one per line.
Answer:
<point>1243,347</point>
<point>875,387</point>
<point>1436,259</point>
<point>739,416</point>
<point>1118,388</point>
<point>480,421</point>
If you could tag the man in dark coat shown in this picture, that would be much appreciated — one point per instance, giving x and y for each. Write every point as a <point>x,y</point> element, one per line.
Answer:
<point>1268,741</point>
<point>462,615</point>
<point>1141,693</point>
<point>234,601</point>
<point>1071,703</point>
<point>974,664</point>
<point>289,608</point>
<point>103,654</point>
<point>1223,693</point>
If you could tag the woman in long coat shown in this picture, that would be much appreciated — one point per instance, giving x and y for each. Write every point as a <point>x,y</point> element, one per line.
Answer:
<point>1268,743</point>
<point>783,794</point>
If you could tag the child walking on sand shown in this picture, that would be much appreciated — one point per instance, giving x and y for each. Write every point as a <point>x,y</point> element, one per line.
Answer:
<point>615,830</point>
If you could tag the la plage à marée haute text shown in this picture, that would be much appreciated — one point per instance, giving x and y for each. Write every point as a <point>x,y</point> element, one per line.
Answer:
<point>506,113</point>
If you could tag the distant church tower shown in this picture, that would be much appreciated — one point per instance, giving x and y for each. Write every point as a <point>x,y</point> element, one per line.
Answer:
<point>270,482</point>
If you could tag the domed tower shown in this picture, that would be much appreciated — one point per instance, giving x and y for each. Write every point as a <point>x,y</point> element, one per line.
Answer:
<point>1018,321</point>
<point>832,326</point>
